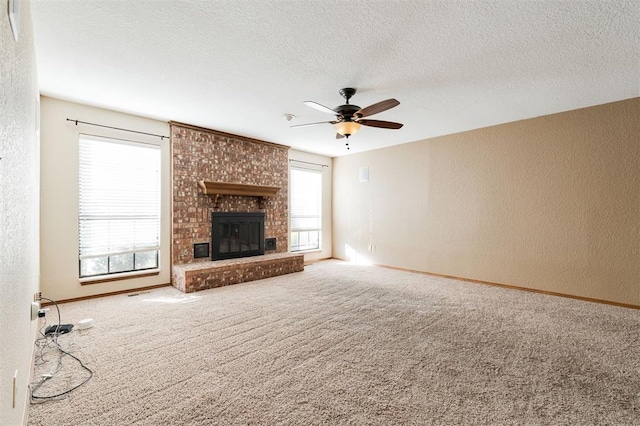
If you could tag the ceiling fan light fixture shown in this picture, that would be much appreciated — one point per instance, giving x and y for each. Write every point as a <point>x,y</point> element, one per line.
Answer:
<point>347,127</point>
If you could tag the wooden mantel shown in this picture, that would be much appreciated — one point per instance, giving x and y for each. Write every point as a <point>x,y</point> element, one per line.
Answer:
<point>217,189</point>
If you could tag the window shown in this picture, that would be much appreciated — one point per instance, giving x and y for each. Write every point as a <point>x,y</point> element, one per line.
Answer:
<point>306,208</point>
<point>119,206</point>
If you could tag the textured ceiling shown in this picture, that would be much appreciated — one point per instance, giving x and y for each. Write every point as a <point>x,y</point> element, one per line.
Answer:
<point>239,65</point>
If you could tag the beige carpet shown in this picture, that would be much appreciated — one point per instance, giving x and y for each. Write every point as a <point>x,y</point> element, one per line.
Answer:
<point>346,344</point>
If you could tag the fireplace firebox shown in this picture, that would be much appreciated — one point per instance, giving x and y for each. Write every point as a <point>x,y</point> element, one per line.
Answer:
<point>236,235</point>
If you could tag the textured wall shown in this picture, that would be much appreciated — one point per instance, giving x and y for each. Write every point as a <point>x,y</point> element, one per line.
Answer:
<point>201,154</point>
<point>19,260</point>
<point>551,203</point>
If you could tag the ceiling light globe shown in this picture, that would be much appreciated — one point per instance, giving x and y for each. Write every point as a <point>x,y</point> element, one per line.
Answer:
<point>347,127</point>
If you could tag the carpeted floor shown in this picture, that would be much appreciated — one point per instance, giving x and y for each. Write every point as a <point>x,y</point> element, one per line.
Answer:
<point>346,344</point>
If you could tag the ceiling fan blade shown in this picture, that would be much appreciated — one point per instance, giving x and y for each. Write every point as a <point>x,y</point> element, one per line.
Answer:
<point>339,136</point>
<point>313,124</point>
<point>377,107</point>
<point>319,107</point>
<point>382,124</point>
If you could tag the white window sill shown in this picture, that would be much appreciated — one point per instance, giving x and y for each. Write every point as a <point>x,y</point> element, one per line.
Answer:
<point>118,277</point>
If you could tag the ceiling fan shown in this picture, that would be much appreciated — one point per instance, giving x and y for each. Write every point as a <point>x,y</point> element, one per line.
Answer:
<point>349,117</point>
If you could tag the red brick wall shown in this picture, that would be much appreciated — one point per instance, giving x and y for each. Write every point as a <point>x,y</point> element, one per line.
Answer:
<point>202,154</point>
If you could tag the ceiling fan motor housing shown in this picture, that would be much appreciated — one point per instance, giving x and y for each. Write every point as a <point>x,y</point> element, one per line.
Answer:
<point>346,111</point>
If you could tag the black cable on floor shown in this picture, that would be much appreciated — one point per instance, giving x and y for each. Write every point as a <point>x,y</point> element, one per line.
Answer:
<point>55,336</point>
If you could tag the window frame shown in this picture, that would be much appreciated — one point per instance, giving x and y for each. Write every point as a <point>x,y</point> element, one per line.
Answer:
<point>319,228</point>
<point>154,250</point>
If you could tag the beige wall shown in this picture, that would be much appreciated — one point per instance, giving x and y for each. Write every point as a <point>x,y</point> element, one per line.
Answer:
<point>551,203</point>
<point>19,151</point>
<point>59,195</point>
<point>303,160</point>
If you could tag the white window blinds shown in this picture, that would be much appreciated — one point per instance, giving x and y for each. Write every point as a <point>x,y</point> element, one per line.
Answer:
<point>119,206</point>
<point>306,209</point>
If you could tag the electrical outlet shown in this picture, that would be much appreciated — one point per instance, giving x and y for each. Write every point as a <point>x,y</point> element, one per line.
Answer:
<point>37,296</point>
<point>35,307</point>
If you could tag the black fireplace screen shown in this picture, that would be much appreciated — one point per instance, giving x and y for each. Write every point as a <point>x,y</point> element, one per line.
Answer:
<point>236,235</point>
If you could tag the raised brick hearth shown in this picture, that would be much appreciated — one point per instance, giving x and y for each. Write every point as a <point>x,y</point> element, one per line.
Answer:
<point>206,155</point>
<point>192,277</point>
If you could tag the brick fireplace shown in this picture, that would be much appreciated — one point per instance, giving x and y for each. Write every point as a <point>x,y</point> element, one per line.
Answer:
<point>202,157</point>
